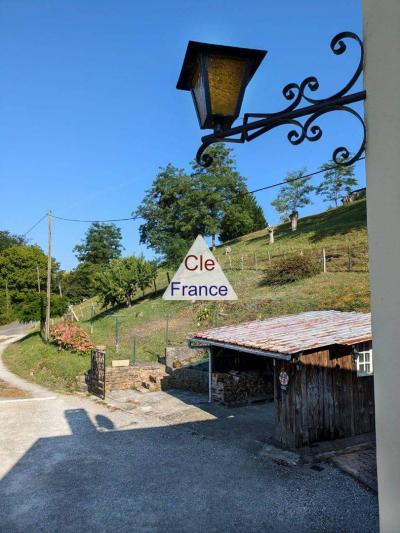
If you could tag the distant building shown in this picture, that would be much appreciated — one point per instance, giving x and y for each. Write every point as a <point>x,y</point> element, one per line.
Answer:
<point>354,195</point>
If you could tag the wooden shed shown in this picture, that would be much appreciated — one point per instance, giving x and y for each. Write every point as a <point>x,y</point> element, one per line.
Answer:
<point>318,366</point>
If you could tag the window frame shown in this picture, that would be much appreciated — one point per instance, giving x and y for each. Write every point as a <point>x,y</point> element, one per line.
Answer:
<point>365,359</point>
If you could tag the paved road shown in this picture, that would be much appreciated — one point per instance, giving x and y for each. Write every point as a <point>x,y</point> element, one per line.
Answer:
<point>71,464</point>
<point>9,334</point>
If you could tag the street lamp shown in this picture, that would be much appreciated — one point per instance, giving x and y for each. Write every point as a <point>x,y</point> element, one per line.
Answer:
<point>217,77</point>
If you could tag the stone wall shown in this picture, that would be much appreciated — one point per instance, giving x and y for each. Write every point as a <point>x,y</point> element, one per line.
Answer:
<point>146,377</point>
<point>189,378</point>
<point>135,377</point>
<point>176,355</point>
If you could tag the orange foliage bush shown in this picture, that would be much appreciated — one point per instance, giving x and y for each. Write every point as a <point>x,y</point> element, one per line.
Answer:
<point>69,336</point>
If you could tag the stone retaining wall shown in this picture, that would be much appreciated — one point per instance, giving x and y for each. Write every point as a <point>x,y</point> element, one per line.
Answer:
<point>181,354</point>
<point>150,377</point>
<point>189,379</point>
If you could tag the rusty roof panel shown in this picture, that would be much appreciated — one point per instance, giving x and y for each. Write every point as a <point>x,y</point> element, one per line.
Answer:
<point>295,333</point>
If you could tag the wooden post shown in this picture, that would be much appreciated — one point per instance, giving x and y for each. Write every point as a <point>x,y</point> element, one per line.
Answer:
<point>38,278</point>
<point>209,376</point>
<point>74,315</point>
<point>48,294</point>
<point>168,278</point>
<point>324,259</point>
<point>91,319</point>
<point>7,300</point>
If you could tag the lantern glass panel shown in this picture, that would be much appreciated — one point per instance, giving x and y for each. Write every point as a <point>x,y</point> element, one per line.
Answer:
<point>198,91</point>
<point>225,77</point>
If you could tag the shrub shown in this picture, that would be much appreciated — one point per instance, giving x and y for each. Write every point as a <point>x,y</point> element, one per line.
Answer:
<point>33,307</point>
<point>69,336</point>
<point>292,268</point>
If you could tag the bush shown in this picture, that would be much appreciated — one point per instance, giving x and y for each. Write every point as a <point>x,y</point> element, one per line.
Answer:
<point>292,268</point>
<point>33,307</point>
<point>71,337</point>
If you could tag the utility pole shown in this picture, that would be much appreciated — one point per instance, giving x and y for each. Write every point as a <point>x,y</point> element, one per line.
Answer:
<point>38,278</point>
<point>7,300</point>
<point>47,330</point>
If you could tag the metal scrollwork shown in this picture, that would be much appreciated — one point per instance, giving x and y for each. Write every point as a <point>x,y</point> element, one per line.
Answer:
<point>296,94</point>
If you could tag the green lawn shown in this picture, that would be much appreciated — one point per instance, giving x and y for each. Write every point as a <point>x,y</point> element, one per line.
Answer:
<point>44,364</point>
<point>335,230</point>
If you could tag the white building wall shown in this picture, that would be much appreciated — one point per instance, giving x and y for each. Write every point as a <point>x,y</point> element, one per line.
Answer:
<point>382,82</point>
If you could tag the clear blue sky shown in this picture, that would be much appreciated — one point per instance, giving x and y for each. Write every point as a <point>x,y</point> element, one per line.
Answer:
<point>89,109</point>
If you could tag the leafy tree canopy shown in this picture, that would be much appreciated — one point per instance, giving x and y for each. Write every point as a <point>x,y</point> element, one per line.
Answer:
<point>7,239</point>
<point>78,284</point>
<point>181,205</point>
<point>242,217</point>
<point>119,282</point>
<point>20,266</point>
<point>337,181</point>
<point>101,245</point>
<point>294,195</point>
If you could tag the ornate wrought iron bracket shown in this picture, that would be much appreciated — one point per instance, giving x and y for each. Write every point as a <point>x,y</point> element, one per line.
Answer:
<point>309,130</point>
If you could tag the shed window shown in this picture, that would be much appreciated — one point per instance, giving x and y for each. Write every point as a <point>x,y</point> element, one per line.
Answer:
<point>364,361</point>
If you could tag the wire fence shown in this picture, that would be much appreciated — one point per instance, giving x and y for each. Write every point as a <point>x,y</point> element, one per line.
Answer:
<point>351,258</point>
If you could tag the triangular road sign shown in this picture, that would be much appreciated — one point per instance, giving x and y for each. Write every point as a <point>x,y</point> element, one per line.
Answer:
<point>199,277</point>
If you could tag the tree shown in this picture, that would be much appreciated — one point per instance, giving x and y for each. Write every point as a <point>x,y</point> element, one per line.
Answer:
<point>34,305</point>
<point>241,217</point>
<point>293,196</point>
<point>78,284</point>
<point>169,213</point>
<point>119,282</point>
<point>101,245</point>
<point>337,180</point>
<point>179,206</point>
<point>19,266</point>
<point>7,239</point>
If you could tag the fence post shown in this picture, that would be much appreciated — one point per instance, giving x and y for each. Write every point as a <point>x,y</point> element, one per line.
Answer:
<point>168,278</point>
<point>324,259</point>
<point>91,319</point>
<point>230,262</point>
<point>117,334</point>
<point>133,360</point>
<point>166,330</point>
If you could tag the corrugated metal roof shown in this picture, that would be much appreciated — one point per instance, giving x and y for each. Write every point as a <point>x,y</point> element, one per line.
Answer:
<point>294,333</point>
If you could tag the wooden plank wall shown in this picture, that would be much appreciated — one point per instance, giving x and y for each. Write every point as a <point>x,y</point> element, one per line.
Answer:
<point>324,399</point>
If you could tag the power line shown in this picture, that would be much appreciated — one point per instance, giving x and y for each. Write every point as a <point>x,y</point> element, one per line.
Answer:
<point>292,179</point>
<point>235,196</point>
<point>36,224</point>
<point>91,221</point>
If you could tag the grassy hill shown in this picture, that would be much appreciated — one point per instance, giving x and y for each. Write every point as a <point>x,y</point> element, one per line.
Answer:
<point>341,232</point>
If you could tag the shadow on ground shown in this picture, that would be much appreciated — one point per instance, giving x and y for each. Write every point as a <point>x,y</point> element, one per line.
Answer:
<point>170,479</point>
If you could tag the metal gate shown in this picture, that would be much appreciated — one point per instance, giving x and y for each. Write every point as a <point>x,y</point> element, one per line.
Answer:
<point>97,373</point>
